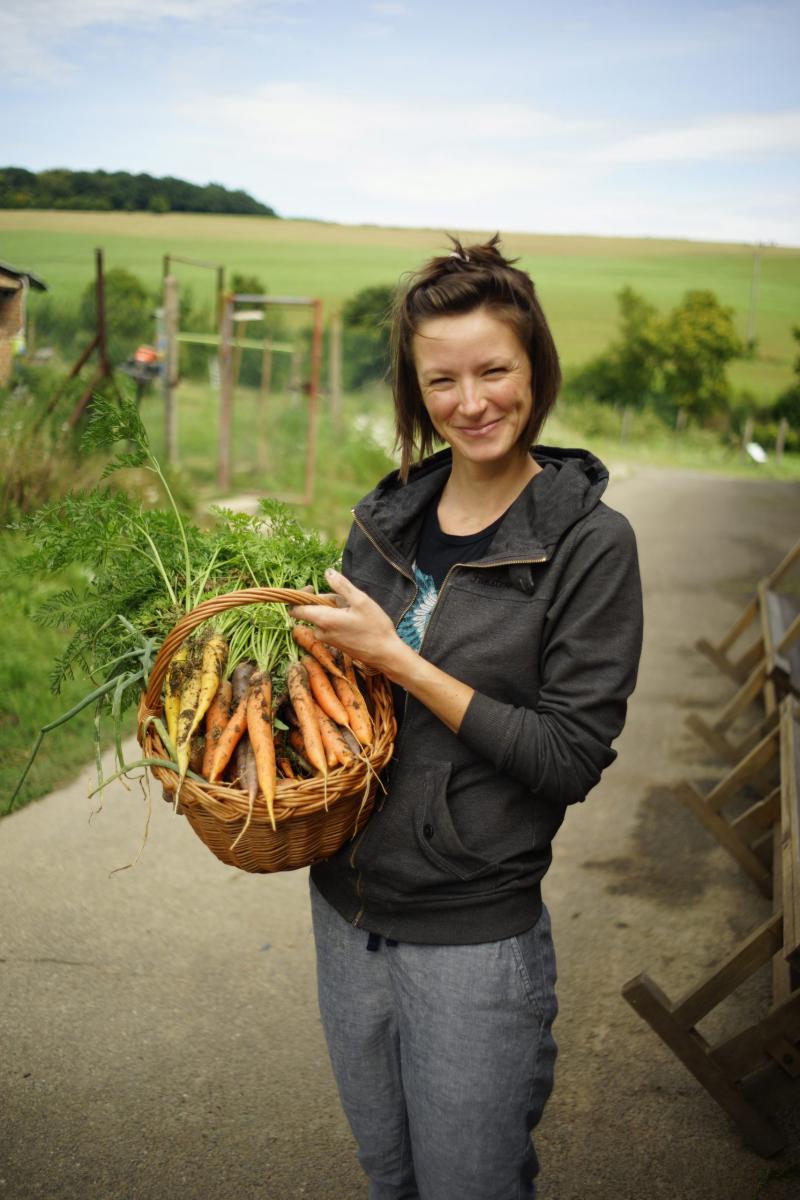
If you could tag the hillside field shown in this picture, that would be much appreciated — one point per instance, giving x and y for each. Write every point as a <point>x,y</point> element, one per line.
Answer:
<point>577,278</point>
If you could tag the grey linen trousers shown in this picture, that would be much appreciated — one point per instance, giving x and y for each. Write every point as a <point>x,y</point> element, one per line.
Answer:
<point>443,1056</point>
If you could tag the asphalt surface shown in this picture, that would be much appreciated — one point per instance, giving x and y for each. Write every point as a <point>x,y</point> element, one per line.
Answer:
<point>159,1037</point>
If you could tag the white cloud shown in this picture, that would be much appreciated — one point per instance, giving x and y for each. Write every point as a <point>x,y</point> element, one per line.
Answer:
<point>318,152</point>
<point>389,10</point>
<point>716,138</point>
<point>306,123</point>
<point>33,33</point>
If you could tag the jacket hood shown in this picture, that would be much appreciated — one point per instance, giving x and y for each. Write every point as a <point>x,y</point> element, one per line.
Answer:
<point>567,488</point>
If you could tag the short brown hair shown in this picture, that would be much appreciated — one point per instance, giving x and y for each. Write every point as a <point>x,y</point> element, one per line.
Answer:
<point>467,279</point>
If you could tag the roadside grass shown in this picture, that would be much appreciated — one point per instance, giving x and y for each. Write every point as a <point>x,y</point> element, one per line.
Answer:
<point>577,278</point>
<point>27,701</point>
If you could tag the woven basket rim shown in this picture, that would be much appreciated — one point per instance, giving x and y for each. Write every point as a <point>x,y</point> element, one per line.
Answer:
<point>230,804</point>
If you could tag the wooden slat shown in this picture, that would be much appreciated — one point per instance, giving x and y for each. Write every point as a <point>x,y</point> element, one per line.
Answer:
<point>647,999</point>
<point>746,1051</point>
<point>725,835</point>
<point>743,962</point>
<point>759,817</point>
<point>790,830</point>
<point>743,772</point>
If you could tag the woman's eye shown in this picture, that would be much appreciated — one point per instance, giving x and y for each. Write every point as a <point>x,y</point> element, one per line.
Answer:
<point>496,371</point>
<point>439,382</point>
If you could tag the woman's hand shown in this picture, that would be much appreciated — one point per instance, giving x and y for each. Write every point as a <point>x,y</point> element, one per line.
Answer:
<point>362,629</point>
<point>356,625</point>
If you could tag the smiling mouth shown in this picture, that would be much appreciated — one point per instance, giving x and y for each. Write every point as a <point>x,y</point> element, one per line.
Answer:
<point>476,431</point>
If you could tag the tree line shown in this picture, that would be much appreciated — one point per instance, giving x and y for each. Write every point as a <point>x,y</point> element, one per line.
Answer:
<point>121,191</point>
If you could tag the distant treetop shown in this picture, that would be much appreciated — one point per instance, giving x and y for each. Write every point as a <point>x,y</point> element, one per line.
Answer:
<point>120,191</point>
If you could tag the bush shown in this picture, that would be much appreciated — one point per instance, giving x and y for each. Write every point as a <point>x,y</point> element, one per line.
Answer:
<point>365,335</point>
<point>129,310</point>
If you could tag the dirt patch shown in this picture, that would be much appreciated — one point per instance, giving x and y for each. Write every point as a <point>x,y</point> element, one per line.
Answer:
<point>669,855</point>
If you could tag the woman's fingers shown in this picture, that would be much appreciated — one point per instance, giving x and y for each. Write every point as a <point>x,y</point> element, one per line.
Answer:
<point>356,624</point>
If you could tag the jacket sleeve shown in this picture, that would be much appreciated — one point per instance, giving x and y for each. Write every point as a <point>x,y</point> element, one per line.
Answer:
<point>589,660</point>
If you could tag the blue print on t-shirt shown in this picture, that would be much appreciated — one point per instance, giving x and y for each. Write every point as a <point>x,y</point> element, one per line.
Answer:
<point>413,623</point>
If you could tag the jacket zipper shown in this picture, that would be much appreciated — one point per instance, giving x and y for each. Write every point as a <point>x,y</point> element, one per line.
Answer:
<point>510,562</point>
<point>484,566</point>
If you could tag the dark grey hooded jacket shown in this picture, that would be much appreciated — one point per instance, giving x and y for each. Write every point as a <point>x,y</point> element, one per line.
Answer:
<point>547,629</point>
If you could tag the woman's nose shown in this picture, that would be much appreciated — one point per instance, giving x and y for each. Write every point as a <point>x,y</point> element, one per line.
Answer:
<point>471,400</point>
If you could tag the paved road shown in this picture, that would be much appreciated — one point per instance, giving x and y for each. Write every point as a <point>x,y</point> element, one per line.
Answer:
<point>158,1030</point>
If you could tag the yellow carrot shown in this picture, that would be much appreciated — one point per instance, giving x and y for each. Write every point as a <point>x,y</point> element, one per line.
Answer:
<point>197,693</point>
<point>176,676</point>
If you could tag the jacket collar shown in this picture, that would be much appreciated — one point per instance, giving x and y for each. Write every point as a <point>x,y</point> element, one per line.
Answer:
<point>568,487</point>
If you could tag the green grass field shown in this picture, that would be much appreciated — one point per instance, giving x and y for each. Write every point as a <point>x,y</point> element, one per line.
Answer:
<point>577,278</point>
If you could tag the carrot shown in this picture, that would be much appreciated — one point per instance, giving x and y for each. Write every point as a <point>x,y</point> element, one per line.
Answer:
<point>308,640</point>
<point>303,703</point>
<point>286,769</point>
<point>176,674</point>
<point>358,717</point>
<point>259,728</point>
<point>333,741</point>
<point>240,679</point>
<point>217,717</point>
<point>197,753</point>
<point>323,693</point>
<point>198,691</point>
<point>247,776</point>
<point>331,757</point>
<point>228,740</point>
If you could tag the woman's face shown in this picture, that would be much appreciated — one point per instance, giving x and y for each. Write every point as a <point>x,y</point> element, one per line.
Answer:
<point>475,379</point>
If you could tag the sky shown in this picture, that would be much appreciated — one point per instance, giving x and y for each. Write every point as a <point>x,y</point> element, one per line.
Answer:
<point>675,119</point>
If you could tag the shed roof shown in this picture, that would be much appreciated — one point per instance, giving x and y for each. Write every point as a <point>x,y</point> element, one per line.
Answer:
<point>33,280</point>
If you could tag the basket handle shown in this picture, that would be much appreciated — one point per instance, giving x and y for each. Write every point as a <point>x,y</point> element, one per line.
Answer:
<point>209,608</point>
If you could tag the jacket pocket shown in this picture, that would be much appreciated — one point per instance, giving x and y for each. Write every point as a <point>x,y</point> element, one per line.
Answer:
<point>436,834</point>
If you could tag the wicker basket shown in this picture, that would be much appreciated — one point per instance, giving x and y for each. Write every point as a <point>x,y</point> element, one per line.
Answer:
<point>314,817</point>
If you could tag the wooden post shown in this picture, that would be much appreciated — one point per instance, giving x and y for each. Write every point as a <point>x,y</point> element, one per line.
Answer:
<point>100,291</point>
<point>263,404</point>
<point>747,436</point>
<point>680,420</point>
<point>780,440</point>
<point>225,395</point>
<point>313,401</point>
<point>623,433</point>
<point>335,367</point>
<point>169,378</point>
<point>295,377</point>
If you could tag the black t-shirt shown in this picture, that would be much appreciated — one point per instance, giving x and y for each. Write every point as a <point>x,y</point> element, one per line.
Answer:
<point>437,552</point>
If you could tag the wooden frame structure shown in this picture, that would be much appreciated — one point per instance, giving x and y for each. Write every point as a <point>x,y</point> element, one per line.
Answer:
<point>723,1068</point>
<point>229,346</point>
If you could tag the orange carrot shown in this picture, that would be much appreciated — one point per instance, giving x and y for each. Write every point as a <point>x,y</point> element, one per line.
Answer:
<point>323,693</point>
<point>217,717</point>
<point>307,639</point>
<point>286,769</point>
<point>296,742</point>
<point>333,741</point>
<point>228,739</point>
<point>259,728</point>
<point>358,717</point>
<point>303,703</point>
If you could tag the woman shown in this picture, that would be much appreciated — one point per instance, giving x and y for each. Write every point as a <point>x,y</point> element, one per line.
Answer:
<point>501,597</point>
